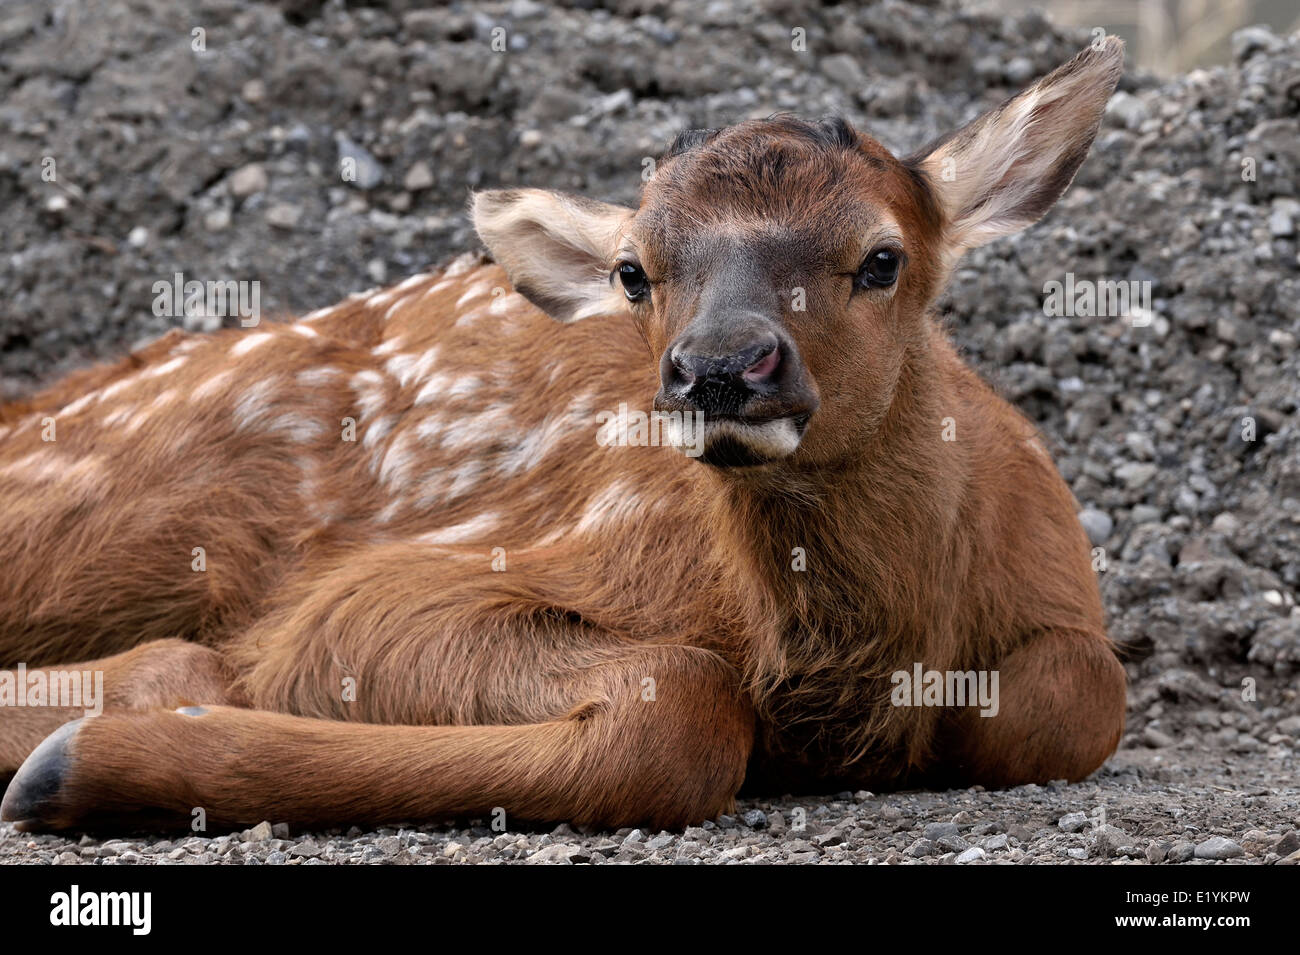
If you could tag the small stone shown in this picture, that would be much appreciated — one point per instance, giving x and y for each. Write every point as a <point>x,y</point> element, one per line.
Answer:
<point>843,70</point>
<point>1288,844</point>
<point>1135,475</point>
<point>217,220</point>
<point>1097,525</point>
<point>755,819</point>
<point>254,91</point>
<point>1072,822</point>
<point>1145,514</point>
<point>1156,739</point>
<point>559,853</point>
<point>1280,224</point>
<point>973,854</point>
<point>357,167</point>
<point>282,215</point>
<point>280,830</point>
<point>1181,852</point>
<point>940,830</point>
<point>138,237</point>
<point>952,844</point>
<point>247,180</point>
<point>920,849</point>
<point>661,841</point>
<point>1218,847</point>
<point>418,177</point>
<point>259,833</point>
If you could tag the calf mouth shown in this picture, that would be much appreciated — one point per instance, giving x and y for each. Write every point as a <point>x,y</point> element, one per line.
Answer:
<point>735,442</point>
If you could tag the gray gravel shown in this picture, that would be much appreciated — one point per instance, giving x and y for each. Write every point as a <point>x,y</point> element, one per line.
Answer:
<point>1142,808</point>
<point>1178,433</point>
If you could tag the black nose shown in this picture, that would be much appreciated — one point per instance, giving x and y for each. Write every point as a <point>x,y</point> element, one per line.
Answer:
<point>721,383</point>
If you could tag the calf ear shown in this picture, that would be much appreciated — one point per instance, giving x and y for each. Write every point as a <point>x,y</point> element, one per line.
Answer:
<point>557,249</point>
<point>1004,170</point>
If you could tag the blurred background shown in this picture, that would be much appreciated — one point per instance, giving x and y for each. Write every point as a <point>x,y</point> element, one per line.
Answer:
<point>1167,36</point>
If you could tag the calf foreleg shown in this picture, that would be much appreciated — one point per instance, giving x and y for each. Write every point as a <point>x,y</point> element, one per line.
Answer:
<point>620,755</point>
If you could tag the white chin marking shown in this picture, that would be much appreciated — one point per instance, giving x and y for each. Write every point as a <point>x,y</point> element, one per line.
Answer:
<point>771,439</point>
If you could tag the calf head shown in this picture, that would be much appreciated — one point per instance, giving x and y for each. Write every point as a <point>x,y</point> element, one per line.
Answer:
<point>781,270</point>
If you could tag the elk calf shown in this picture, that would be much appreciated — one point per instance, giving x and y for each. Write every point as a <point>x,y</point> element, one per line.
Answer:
<point>379,564</point>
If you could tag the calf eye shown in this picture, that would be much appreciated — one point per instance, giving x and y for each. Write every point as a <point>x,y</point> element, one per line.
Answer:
<point>635,285</point>
<point>880,270</point>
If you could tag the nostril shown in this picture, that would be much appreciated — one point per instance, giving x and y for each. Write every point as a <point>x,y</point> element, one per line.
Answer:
<point>765,367</point>
<point>682,367</point>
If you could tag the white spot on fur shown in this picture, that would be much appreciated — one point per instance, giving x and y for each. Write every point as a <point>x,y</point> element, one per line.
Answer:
<point>461,264</point>
<point>464,479</point>
<point>210,387</point>
<point>473,430</point>
<point>253,405</point>
<point>369,386</point>
<point>376,431</point>
<point>390,511</point>
<point>616,504</point>
<point>411,367</point>
<point>249,342</point>
<point>317,377</point>
<point>398,461</point>
<point>543,439</point>
<point>435,386</point>
<point>430,428</point>
<point>80,404</point>
<point>166,368</point>
<point>118,387</point>
<point>319,314</point>
<point>116,417</point>
<point>413,281</point>
<point>306,331</point>
<point>297,427</point>
<point>477,290</point>
<point>467,530</point>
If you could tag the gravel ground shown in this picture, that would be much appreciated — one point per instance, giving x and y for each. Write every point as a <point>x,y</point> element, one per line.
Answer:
<point>1178,433</point>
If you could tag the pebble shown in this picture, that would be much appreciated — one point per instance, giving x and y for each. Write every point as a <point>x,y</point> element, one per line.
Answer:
<point>248,180</point>
<point>1217,847</point>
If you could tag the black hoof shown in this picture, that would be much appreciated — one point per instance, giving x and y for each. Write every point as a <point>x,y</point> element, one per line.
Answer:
<point>38,780</point>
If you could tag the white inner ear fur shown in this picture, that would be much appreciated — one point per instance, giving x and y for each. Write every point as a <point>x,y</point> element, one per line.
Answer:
<point>556,248</point>
<point>1003,171</point>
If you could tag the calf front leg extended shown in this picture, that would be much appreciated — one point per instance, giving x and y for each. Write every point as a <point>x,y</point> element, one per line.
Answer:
<point>618,757</point>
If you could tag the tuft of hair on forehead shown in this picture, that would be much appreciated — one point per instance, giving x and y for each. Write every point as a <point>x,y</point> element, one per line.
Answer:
<point>833,132</point>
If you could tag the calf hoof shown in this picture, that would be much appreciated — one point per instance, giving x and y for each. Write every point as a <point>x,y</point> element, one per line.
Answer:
<point>33,793</point>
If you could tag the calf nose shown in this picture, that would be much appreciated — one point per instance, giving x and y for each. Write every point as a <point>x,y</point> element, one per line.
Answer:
<point>721,383</point>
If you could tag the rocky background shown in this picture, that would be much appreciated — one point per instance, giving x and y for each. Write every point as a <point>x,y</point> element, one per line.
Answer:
<point>207,138</point>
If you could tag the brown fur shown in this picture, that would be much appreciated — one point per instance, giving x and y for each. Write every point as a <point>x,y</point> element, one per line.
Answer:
<point>369,563</point>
